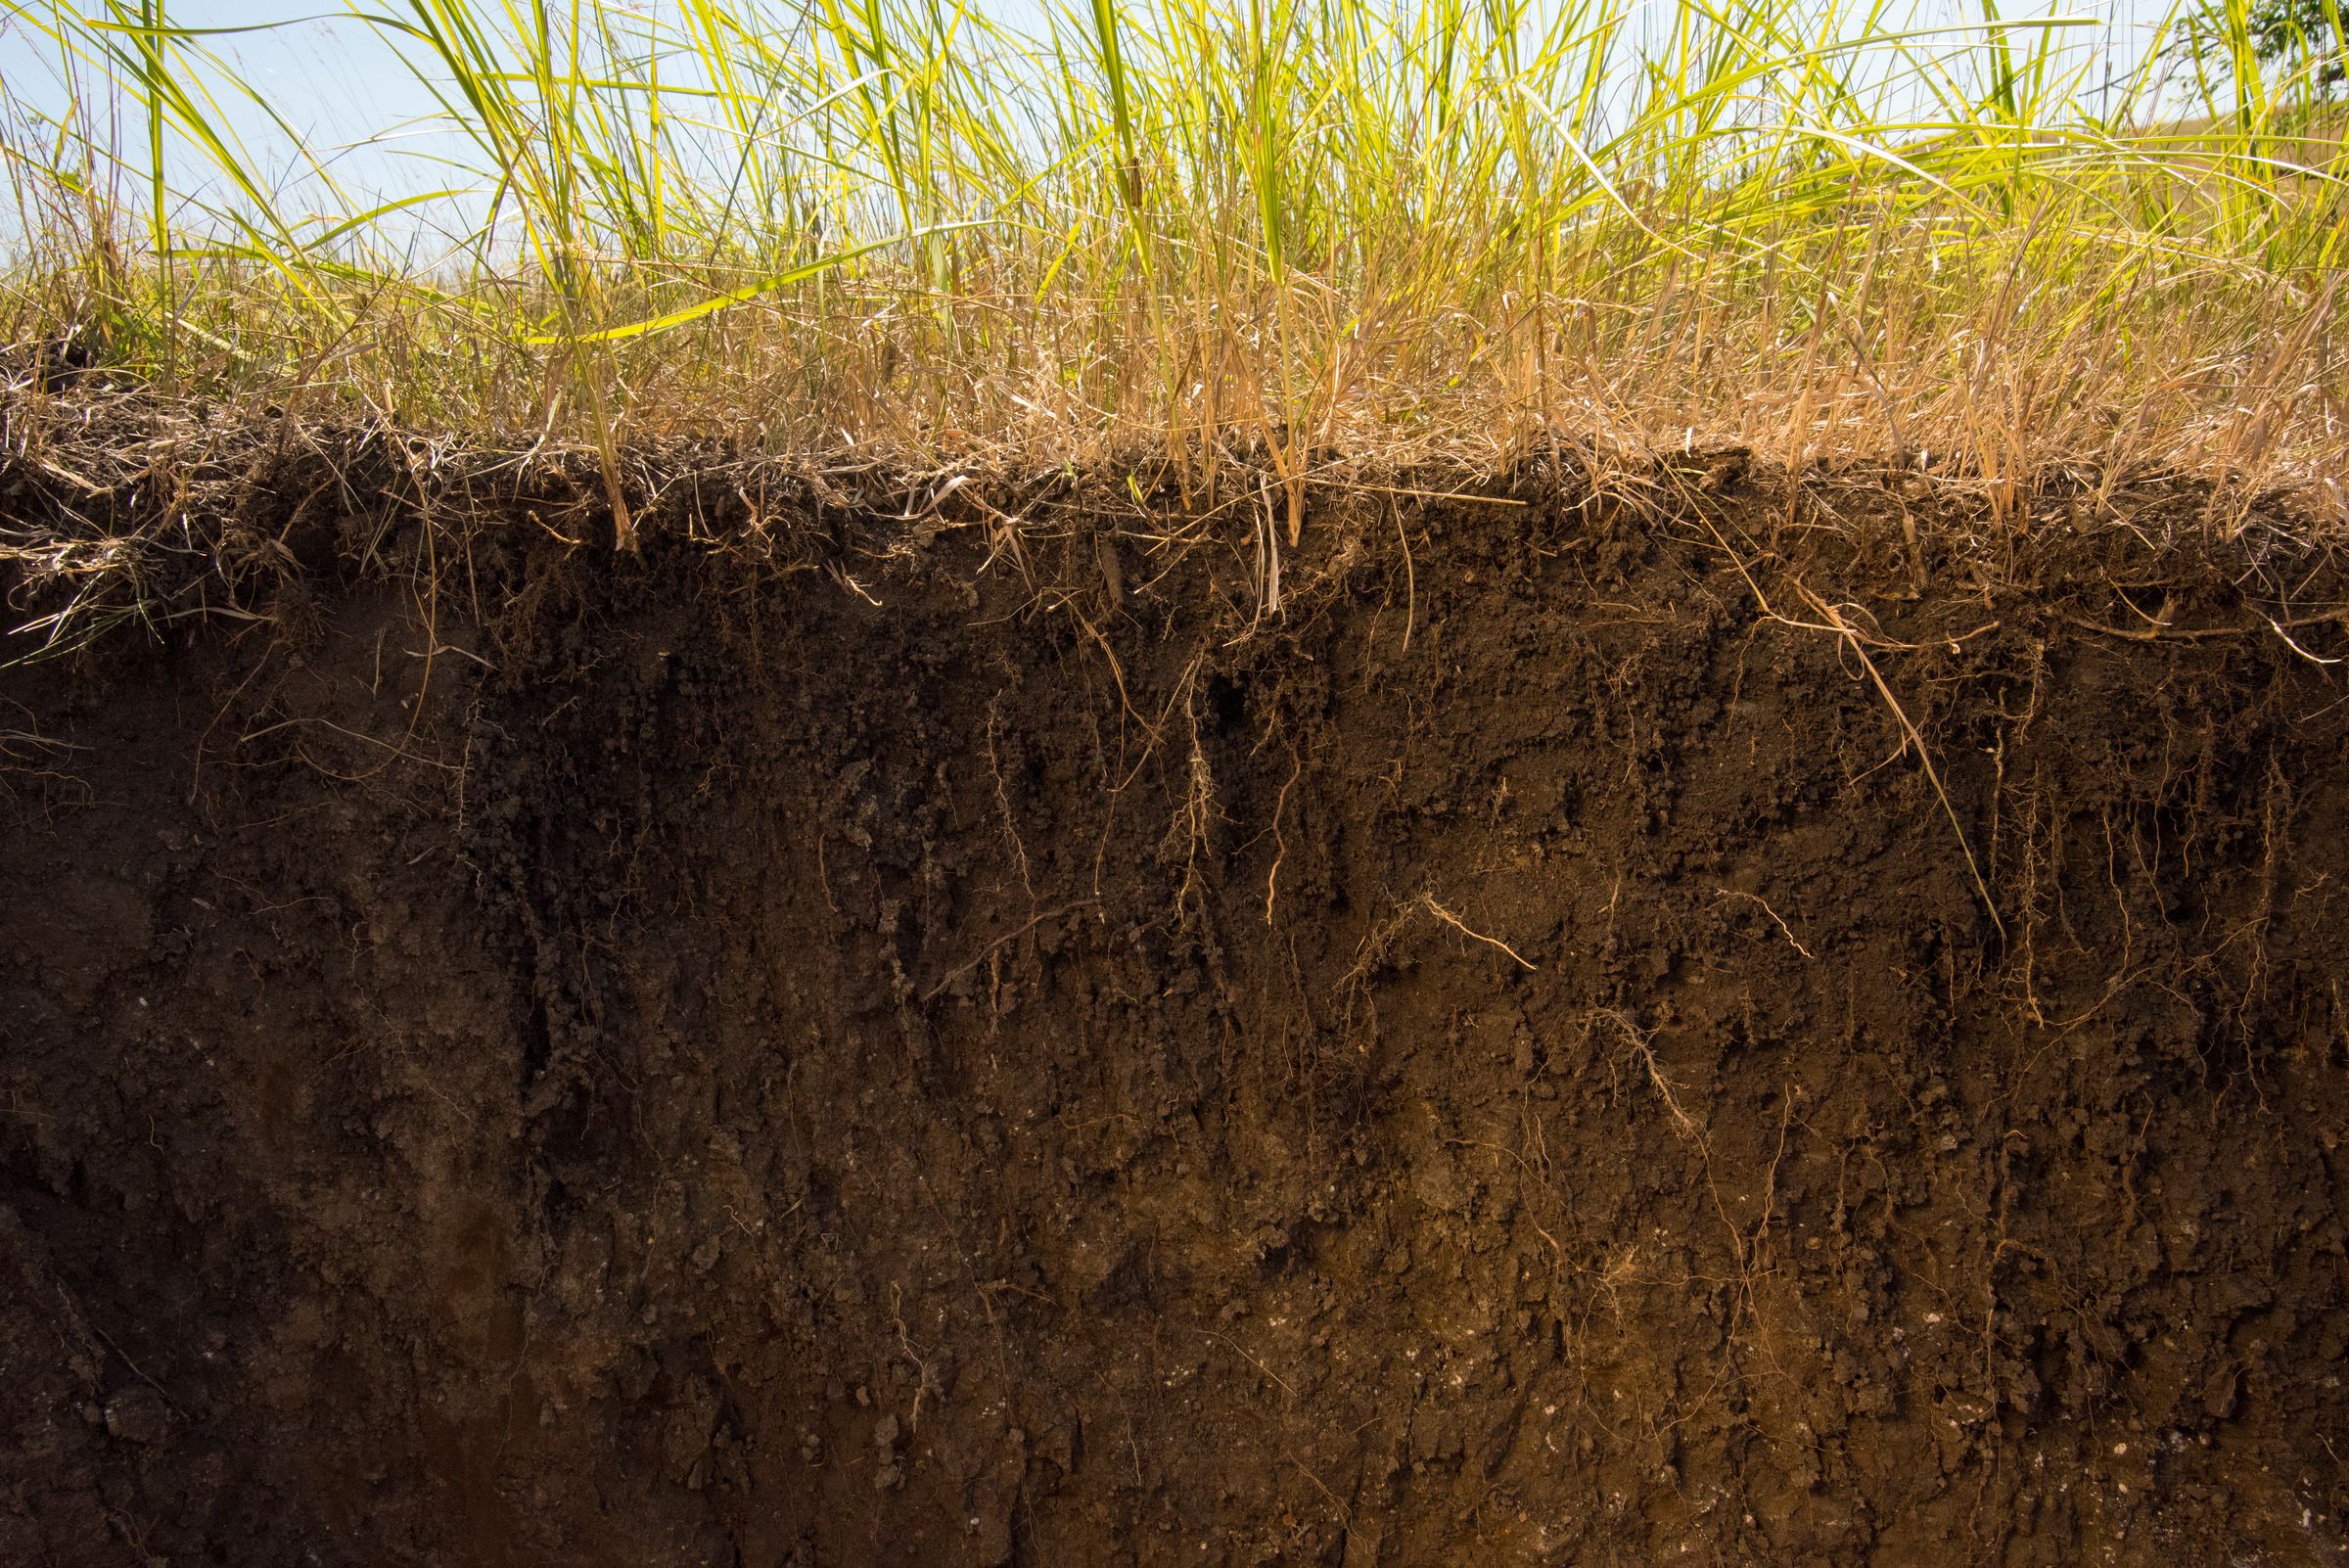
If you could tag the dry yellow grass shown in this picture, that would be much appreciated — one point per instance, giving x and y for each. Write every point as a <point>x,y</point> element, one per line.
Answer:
<point>1323,238</point>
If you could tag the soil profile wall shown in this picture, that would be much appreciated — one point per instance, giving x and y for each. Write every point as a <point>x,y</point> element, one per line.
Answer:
<point>1512,1059</point>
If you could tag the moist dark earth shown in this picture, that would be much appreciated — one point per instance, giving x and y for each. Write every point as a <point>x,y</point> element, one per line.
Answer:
<point>1601,1029</point>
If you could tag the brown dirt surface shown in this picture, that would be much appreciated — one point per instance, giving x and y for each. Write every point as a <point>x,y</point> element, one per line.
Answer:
<point>934,1047</point>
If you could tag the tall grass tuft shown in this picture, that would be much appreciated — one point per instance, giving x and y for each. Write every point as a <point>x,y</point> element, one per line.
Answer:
<point>1316,231</point>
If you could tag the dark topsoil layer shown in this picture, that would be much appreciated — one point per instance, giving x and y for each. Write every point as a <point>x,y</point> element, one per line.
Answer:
<point>668,1060</point>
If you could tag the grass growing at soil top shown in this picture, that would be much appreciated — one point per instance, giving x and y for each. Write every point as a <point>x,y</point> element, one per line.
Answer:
<point>1324,232</point>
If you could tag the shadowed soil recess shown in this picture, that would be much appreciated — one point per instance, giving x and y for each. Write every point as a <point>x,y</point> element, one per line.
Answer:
<point>881,1053</point>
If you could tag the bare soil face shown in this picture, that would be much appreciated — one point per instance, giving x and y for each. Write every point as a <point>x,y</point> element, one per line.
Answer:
<point>666,1059</point>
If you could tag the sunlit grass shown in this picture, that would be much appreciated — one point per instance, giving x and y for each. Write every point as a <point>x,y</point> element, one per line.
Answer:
<point>1321,231</point>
